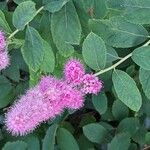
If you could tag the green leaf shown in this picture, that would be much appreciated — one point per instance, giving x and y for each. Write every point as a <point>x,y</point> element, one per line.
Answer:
<point>4,26</point>
<point>95,8</point>
<point>120,141</point>
<point>33,49</point>
<point>130,125</point>
<point>65,25</point>
<point>95,132</point>
<point>147,138</point>
<point>119,110</point>
<point>111,54</point>
<point>137,11</point>
<point>65,140</point>
<point>84,143</point>
<point>48,63</point>
<point>6,92</point>
<point>127,90</point>
<point>12,71</point>
<point>144,76</point>
<point>49,139</point>
<point>139,136</point>
<point>117,32</point>
<point>18,145</point>
<point>94,46</point>
<point>65,49</point>
<point>23,14</point>
<point>54,5</point>
<point>141,57</point>
<point>100,102</point>
<point>33,142</point>
<point>87,119</point>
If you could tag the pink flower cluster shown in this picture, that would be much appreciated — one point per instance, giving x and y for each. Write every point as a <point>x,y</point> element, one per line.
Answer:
<point>50,97</point>
<point>4,59</point>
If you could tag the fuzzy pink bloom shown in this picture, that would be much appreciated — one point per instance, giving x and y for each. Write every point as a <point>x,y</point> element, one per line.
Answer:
<point>91,84</point>
<point>2,41</point>
<point>66,96</point>
<point>74,71</point>
<point>72,98</point>
<point>26,114</point>
<point>4,60</point>
<point>52,90</point>
<point>40,104</point>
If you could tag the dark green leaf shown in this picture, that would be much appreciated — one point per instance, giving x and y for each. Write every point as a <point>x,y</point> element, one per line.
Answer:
<point>119,110</point>
<point>6,92</point>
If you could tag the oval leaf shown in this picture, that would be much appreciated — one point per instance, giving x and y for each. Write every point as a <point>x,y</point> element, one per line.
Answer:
<point>23,14</point>
<point>144,76</point>
<point>6,92</point>
<point>141,57</point>
<point>54,5</point>
<point>32,49</point>
<point>48,63</point>
<point>100,102</point>
<point>18,145</point>
<point>94,52</point>
<point>127,90</point>
<point>65,140</point>
<point>49,139</point>
<point>65,25</point>
<point>95,132</point>
<point>117,32</point>
<point>120,141</point>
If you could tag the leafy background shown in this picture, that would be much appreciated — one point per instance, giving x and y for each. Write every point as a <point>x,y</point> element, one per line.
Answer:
<point>43,34</point>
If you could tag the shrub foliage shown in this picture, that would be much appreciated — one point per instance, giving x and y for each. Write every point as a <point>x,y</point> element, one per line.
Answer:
<point>111,38</point>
